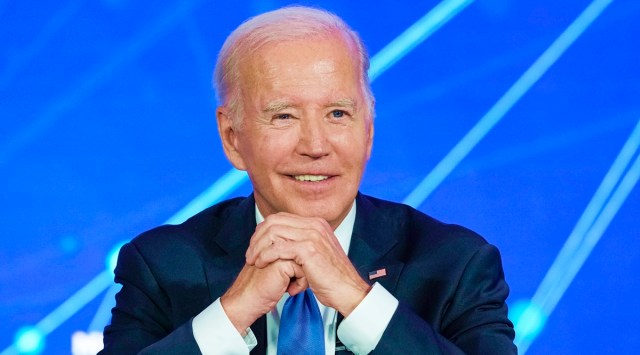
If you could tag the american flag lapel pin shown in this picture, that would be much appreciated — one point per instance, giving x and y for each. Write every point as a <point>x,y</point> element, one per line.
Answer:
<point>377,274</point>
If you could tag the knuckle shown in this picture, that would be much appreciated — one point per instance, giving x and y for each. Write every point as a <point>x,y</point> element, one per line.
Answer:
<point>273,229</point>
<point>309,248</point>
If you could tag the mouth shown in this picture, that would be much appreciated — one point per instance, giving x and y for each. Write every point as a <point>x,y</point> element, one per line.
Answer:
<point>310,178</point>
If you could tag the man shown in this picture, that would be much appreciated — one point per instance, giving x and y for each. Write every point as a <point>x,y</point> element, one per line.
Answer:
<point>297,115</point>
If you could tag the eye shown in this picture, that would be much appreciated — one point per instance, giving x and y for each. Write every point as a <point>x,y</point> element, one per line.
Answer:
<point>338,113</point>
<point>282,116</point>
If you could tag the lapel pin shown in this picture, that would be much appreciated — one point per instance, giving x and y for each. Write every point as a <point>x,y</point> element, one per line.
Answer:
<point>377,274</point>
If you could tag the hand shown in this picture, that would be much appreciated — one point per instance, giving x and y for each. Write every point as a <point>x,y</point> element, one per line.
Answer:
<point>256,291</point>
<point>311,244</point>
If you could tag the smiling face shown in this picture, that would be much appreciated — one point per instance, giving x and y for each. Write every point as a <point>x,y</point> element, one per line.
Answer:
<point>306,130</point>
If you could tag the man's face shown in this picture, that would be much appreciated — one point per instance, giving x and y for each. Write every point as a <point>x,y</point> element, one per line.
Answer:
<point>306,133</point>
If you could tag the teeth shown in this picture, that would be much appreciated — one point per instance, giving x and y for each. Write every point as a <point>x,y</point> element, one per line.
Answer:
<point>310,177</point>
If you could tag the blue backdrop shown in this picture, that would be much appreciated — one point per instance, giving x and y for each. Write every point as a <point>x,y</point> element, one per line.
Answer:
<point>518,119</point>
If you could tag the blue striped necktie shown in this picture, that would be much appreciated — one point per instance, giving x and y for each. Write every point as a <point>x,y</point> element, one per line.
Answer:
<point>301,327</point>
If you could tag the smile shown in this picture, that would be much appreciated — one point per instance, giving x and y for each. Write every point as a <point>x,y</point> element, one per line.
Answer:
<point>310,177</point>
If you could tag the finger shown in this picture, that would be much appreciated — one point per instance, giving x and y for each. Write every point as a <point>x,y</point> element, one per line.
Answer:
<point>299,282</point>
<point>270,229</point>
<point>275,234</point>
<point>293,274</point>
<point>294,221</point>
<point>297,286</point>
<point>267,256</point>
<point>266,234</point>
<point>296,251</point>
<point>309,223</point>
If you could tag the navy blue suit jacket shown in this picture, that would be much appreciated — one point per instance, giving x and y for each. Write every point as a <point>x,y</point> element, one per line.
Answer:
<point>449,281</point>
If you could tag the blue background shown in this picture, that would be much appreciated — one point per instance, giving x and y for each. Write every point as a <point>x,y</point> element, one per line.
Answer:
<point>108,129</point>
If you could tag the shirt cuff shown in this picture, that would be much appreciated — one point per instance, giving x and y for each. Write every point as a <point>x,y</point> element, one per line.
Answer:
<point>215,334</point>
<point>361,331</point>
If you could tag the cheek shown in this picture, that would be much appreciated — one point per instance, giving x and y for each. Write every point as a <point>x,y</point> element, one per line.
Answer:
<point>356,145</point>
<point>267,150</point>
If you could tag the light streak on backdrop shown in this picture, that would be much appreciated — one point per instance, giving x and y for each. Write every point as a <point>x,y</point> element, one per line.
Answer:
<point>592,224</point>
<point>533,317</point>
<point>93,80</point>
<point>231,180</point>
<point>18,60</point>
<point>546,296</point>
<point>220,189</point>
<point>414,35</point>
<point>504,104</point>
<point>103,314</point>
<point>60,315</point>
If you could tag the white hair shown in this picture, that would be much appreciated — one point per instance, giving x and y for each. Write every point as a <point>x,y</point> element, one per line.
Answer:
<point>285,24</point>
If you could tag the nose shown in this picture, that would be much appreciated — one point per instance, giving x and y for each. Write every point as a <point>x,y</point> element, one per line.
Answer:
<point>313,140</point>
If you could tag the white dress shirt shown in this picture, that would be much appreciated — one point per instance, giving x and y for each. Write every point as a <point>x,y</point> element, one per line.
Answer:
<point>360,332</point>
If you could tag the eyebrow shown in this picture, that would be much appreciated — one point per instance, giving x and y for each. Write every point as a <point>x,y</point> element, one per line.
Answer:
<point>276,106</point>
<point>349,103</point>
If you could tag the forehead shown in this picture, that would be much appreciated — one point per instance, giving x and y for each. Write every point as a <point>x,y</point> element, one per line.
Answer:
<point>322,62</point>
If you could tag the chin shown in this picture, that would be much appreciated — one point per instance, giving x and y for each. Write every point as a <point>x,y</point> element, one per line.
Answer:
<point>328,211</point>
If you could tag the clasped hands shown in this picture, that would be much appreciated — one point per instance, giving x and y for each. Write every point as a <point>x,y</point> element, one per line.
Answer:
<point>289,253</point>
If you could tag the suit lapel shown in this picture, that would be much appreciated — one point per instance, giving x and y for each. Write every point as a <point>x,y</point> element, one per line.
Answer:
<point>231,240</point>
<point>374,235</point>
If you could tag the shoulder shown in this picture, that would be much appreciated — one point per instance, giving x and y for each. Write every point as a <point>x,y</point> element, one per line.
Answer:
<point>418,230</point>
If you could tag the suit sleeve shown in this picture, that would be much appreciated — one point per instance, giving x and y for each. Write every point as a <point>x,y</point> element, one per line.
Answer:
<point>475,321</point>
<point>140,321</point>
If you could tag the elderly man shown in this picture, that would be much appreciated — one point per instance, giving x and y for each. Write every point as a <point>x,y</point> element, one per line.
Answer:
<point>306,264</point>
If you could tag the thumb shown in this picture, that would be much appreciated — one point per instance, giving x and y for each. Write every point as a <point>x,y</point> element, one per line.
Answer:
<point>297,285</point>
<point>298,282</point>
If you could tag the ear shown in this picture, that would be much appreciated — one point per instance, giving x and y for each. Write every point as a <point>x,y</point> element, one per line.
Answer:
<point>370,139</point>
<point>229,138</point>
<point>370,131</point>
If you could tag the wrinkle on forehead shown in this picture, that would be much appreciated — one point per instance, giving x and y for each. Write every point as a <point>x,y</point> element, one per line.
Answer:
<point>261,62</point>
<point>311,72</point>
